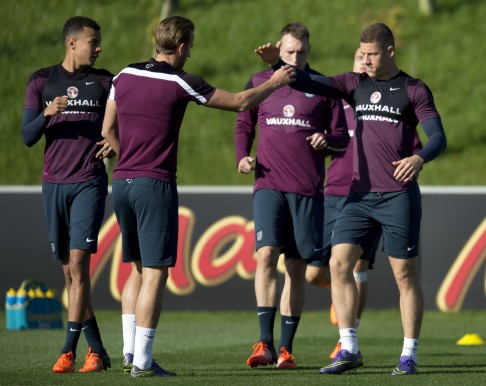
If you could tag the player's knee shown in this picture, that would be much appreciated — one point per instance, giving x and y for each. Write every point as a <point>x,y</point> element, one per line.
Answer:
<point>319,277</point>
<point>311,278</point>
<point>267,256</point>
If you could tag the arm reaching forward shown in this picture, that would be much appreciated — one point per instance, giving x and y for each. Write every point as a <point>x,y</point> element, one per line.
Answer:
<point>252,97</point>
<point>305,82</point>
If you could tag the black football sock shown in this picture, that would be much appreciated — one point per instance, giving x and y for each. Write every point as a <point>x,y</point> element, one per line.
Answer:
<point>289,328</point>
<point>93,336</point>
<point>73,331</point>
<point>266,318</point>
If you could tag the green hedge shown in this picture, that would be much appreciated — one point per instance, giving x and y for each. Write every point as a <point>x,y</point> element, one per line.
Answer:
<point>445,50</point>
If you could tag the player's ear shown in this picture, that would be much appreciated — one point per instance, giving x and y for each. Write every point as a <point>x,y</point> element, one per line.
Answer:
<point>71,43</point>
<point>181,48</point>
<point>391,51</point>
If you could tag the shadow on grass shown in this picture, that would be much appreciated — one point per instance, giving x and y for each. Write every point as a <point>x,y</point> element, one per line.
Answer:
<point>478,368</point>
<point>469,354</point>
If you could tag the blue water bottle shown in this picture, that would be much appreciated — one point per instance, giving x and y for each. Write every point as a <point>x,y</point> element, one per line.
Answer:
<point>10,305</point>
<point>55,310</point>
<point>22,297</point>
<point>22,304</point>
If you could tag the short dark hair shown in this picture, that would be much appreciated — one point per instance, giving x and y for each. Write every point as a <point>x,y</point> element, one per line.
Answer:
<point>171,32</point>
<point>378,33</point>
<point>296,30</point>
<point>76,25</point>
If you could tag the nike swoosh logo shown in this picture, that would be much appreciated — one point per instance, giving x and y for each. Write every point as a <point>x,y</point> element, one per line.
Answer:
<point>261,313</point>
<point>73,330</point>
<point>394,89</point>
<point>88,240</point>
<point>88,83</point>
<point>318,249</point>
<point>84,328</point>
<point>410,248</point>
<point>289,322</point>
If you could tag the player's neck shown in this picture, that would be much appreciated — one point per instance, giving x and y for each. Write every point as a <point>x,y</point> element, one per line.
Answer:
<point>170,59</point>
<point>388,74</point>
<point>69,64</point>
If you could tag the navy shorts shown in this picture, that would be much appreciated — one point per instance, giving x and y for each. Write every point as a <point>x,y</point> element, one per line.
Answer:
<point>74,214</point>
<point>291,222</point>
<point>398,214</point>
<point>332,207</point>
<point>147,211</point>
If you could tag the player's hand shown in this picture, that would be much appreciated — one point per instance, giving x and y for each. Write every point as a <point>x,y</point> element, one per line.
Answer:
<point>284,75</point>
<point>57,106</point>
<point>317,141</point>
<point>106,150</point>
<point>245,166</point>
<point>269,53</point>
<point>407,168</point>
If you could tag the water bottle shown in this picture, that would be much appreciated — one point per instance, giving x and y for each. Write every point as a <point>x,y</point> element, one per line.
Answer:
<point>22,298</point>
<point>10,309</point>
<point>23,301</point>
<point>11,298</point>
<point>54,317</point>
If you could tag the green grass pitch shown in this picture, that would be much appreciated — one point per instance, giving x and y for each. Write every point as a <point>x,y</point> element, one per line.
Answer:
<point>210,348</point>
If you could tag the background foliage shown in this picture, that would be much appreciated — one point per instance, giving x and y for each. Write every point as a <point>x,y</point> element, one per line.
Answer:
<point>445,50</point>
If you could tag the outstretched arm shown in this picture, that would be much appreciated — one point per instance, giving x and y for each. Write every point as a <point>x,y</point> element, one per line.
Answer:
<point>305,82</point>
<point>244,100</point>
<point>314,84</point>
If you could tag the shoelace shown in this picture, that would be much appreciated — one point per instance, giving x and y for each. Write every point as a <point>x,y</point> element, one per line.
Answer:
<point>92,359</point>
<point>287,355</point>
<point>66,360</point>
<point>339,355</point>
<point>408,364</point>
<point>258,347</point>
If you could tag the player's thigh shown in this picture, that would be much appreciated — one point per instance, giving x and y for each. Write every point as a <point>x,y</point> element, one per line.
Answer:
<point>400,216</point>
<point>332,208</point>
<point>156,205</point>
<point>127,219</point>
<point>271,217</point>
<point>367,260</point>
<point>87,212</point>
<point>56,211</point>
<point>355,223</point>
<point>308,225</point>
